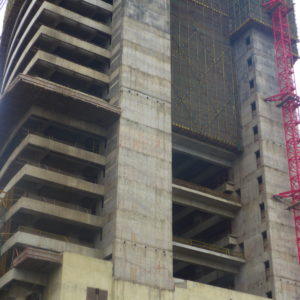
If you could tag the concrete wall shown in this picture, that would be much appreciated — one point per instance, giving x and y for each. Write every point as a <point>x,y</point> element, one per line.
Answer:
<point>79,272</point>
<point>138,198</point>
<point>280,248</point>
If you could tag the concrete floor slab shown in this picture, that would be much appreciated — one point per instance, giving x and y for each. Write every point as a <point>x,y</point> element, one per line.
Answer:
<point>55,210</point>
<point>23,276</point>
<point>52,146</point>
<point>208,258</point>
<point>32,240</point>
<point>38,174</point>
<point>204,201</point>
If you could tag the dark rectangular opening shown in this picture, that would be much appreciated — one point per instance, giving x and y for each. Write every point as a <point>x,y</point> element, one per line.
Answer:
<point>241,247</point>
<point>269,295</point>
<point>253,109</point>
<point>262,211</point>
<point>250,61</point>
<point>265,239</point>
<point>251,84</point>
<point>260,183</point>
<point>258,158</point>
<point>267,269</point>
<point>248,40</point>
<point>255,132</point>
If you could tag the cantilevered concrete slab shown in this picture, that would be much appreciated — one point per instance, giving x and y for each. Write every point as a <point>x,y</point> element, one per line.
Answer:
<point>203,257</point>
<point>211,277</point>
<point>56,210</point>
<point>49,145</point>
<point>58,37</point>
<point>56,117</point>
<point>59,13</point>
<point>55,62</point>
<point>16,102</point>
<point>204,201</point>
<point>24,276</point>
<point>25,239</point>
<point>202,226</point>
<point>36,259</point>
<point>37,174</point>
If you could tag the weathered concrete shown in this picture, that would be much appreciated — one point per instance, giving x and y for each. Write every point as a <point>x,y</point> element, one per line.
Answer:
<point>141,200</point>
<point>64,283</point>
<point>54,210</point>
<point>280,251</point>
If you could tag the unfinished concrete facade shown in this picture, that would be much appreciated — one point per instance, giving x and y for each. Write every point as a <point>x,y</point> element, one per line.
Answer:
<point>135,141</point>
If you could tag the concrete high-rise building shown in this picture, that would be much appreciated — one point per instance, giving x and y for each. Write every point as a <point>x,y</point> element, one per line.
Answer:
<point>138,156</point>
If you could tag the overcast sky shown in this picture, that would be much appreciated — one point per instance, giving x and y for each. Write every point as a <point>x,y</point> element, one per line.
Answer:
<point>297,66</point>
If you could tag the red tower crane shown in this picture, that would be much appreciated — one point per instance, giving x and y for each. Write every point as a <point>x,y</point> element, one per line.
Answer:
<point>289,102</point>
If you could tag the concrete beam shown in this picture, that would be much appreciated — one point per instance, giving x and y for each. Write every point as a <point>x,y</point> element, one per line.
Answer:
<point>34,173</point>
<point>34,278</point>
<point>202,226</point>
<point>203,151</point>
<point>211,277</point>
<point>207,258</point>
<point>56,211</point>
<point>101,4</point>
<point>53,146</point>
<point>180,265</point>
<point>228,241</point>
<point>205,202</point>
<point>33,240</point>
<point>182,214</point>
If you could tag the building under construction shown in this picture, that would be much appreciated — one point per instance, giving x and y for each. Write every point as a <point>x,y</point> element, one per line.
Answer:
<point>139,158</point>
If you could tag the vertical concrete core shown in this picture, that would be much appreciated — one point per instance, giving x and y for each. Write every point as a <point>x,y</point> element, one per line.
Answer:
<point>264,226</point>
<point>142,242</point>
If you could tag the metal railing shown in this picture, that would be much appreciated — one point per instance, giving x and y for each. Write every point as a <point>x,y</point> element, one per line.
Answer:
<point>207,246</point>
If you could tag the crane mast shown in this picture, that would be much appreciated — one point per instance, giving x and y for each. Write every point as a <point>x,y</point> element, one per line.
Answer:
<point>288,101</point>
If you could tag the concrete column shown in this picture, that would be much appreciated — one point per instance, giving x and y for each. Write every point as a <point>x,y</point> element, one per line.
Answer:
<point>262,177</point>
<point>138,175</point>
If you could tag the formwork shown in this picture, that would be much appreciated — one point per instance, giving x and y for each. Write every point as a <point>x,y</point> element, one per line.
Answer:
<point>204,100</point>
